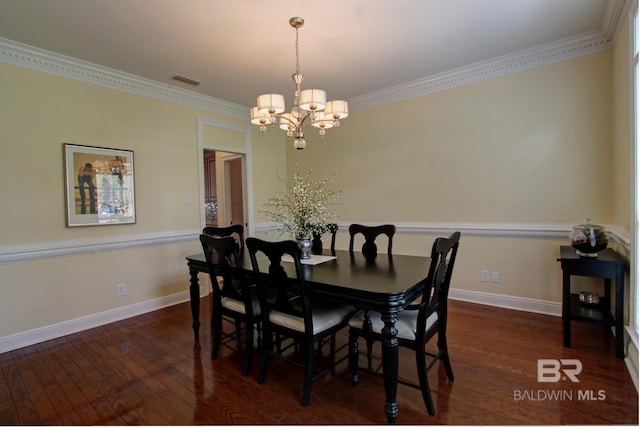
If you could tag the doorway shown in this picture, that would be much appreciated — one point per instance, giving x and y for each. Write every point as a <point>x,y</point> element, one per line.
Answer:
<point>227,149</point>
<point>234,190</point>
<point>225,188</point>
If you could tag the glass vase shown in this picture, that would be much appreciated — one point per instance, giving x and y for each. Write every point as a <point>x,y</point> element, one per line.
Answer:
<point>305,247</point>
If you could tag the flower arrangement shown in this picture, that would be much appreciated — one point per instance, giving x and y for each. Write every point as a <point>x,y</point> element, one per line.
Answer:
<point>304,208</point>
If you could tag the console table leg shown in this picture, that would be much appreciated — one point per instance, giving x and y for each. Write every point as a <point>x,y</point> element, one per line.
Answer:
<point>619,322</point>
<point>566,305</point>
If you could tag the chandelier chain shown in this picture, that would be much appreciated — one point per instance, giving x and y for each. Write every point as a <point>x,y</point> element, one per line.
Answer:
<point>297,54</point>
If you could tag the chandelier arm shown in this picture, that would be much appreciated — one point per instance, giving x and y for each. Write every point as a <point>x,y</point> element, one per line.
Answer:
<point>296,123</point>
<point>310,122</point>
<point>283,117</point>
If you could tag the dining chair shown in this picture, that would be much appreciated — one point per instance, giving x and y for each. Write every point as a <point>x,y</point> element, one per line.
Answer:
<point>418,323</point>
<point>370,234</point>
<point>294,312</point>
<point>234,298</point>
<point>231,230</point>
<point>317,239</point>
<point>370,251</point>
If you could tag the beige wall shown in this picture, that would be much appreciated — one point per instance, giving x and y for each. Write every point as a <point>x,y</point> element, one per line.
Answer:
<point>49,291</point>
<point>533,147</point>
<point>623,160</point>
<point>621,141</point>
<point>529,148</point>
<point>39,113</point>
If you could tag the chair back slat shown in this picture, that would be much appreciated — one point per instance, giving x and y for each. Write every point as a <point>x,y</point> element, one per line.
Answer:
<point>223,260</point>
<point>291,296</point>
<point>370,233</point>
<point>236,230</point>
<point>317,239</point>
<point>436,292</point>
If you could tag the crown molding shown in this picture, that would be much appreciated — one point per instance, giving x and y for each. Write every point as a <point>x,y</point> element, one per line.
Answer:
<point>26,56</point>
<point>562,50</point>
<point>509,64</point>
<point>586,44</point>
<point>614,16</point>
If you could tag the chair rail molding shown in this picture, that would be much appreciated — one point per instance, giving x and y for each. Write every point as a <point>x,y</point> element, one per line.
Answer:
<point>36,251</point>
<point>513,230</point>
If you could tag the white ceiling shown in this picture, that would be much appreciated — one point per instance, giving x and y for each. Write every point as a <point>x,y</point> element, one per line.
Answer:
<point>239,49</point>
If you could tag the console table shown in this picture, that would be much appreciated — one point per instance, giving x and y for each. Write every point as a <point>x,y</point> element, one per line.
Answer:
<point>608,265</point>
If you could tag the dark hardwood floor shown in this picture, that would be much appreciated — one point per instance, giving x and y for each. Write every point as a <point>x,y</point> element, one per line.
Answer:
<point>150,370</point>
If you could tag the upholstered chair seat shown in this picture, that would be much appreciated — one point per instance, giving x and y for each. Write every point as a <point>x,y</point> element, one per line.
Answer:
<point>325,316</point>
<point>238,305</point>
<point>407,323</point>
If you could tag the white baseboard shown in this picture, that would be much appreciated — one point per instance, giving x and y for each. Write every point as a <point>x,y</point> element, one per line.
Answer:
<point>58,330</point>
<point>631,359</point>
<point>506,301</point>
<point>46,333</point>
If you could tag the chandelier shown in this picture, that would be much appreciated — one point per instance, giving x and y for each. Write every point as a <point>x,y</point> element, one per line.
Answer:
<point>310,107</point>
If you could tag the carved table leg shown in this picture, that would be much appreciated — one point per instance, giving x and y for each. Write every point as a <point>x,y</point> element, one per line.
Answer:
<point>390,365</point>
<point>194,294</point>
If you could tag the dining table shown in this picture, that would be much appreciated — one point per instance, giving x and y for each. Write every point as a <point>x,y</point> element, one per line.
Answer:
<point>385,283</point>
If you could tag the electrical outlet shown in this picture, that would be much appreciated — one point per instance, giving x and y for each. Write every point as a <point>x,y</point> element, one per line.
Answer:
<point>121,289</point>
<point>484,275</point>
<point>495,277</point>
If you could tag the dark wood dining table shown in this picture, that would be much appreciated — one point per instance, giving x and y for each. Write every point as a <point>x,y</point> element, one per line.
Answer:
<point>386,284</point>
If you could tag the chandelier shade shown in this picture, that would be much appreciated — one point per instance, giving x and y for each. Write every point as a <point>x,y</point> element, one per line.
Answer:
<point>322,121</point>
<point>286,121</point>
<point>271,103</point>
<point>336,110</point>
<point>258,118</point>
<point>310,107</point>
<point>313,99</point>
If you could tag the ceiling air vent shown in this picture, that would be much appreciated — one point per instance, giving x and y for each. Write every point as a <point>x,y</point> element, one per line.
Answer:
<point>186,80</point>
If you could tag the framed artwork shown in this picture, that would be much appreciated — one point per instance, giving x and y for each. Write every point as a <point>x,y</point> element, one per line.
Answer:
<point>99,186</point>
